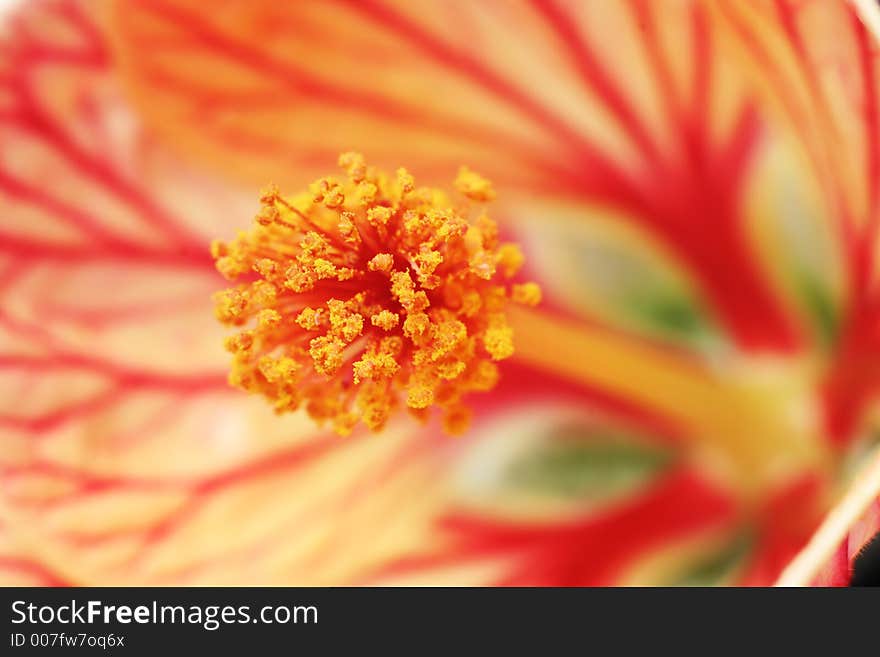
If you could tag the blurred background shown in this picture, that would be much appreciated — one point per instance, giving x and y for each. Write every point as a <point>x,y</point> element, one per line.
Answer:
<point>695,185</point>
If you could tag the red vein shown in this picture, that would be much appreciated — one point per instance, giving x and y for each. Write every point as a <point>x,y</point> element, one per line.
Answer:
<point>596,76</point>
<point>475,70</point>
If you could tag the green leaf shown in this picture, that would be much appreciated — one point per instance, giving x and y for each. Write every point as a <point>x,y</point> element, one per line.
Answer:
<point>821,307</point>
<point>601,273</point>
<point>717,568</point>
<point>645,298</point>
<point>580,464</point>
<point>666,314</point>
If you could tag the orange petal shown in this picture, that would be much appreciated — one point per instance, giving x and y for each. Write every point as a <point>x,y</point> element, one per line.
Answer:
<point>529,94</point>
<point>126,455</point>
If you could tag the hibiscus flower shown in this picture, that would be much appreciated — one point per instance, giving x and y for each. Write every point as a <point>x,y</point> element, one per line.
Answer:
<point>694,185</point>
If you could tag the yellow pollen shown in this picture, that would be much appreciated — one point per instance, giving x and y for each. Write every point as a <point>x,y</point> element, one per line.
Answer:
<point>354,166</point>
<point>528,294</point>
<point>385,319</point>
<point>510,259</point>
<point>499,338</point>
<point>405,182</point>
<point>379,216</point>
<point>381,262</point>
<point>366,294</point>
<point>474,186</point>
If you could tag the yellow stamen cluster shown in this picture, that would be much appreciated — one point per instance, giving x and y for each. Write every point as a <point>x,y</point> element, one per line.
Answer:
<point>367,290</point>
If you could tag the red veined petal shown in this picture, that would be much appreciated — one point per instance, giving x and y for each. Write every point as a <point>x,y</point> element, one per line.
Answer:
<point>122,469</point>
<point>126,455</point>
<point>829,90</point>
<point>127,458</point>
<point>670,149</point>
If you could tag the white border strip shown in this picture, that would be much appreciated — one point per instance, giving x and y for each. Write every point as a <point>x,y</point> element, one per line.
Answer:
<point>806,565</point>
<point>869,12</point>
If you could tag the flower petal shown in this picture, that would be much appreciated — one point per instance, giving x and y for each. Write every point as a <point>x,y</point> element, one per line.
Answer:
<point>671,150</point>
<point>126,455</point>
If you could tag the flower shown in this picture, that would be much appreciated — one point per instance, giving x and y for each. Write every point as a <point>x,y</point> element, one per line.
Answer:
<point>368,288</point>
<point>692,183</point>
